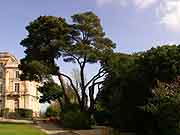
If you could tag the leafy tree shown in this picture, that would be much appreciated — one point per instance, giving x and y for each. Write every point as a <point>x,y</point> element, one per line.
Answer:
<point>161,63</point>
<point>51,112</point>
<point>51,92</point>
<point>130,84</point>
<point>42,49</point>
<point>164,109</point>
<point>83,42</point>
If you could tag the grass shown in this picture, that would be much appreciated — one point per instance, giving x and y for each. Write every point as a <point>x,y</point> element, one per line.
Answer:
<point>19,129</point>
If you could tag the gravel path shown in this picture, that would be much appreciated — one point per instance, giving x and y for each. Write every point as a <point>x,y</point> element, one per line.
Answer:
<point>15,121</point>
<point>52,129</point>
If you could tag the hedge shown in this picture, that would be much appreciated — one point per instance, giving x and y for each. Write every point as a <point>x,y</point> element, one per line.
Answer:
<point>24,113</point>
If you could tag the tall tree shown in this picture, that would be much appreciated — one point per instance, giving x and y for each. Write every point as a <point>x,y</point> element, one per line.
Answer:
<point>42,49</point>
<point>131,83</point>
<point>81,42</point>
<point>51,92</point>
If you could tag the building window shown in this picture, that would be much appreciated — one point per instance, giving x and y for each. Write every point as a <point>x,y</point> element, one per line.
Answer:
<point>1,105</point>
<point>17,75</point>
<point>16,104</point>
<point>16,87</point>
<point>1,87</point>
<point>1,74</point>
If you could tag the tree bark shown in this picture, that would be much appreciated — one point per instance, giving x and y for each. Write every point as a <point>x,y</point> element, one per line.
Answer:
<point>92,101</point>
<point>72,85</point>
<point>91,95</point>
<point>83,89</point>
<point>66,100</point>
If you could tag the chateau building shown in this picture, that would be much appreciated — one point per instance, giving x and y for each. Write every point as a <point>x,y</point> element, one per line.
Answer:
<point>15,93</point>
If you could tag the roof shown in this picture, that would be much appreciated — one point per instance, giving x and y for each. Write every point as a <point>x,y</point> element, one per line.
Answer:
<point>6,57</point>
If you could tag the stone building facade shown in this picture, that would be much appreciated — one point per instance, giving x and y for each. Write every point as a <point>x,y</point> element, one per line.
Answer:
<point>15,93</point>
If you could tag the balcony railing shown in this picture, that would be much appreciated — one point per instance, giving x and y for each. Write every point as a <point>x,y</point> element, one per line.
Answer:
<point>15,93</point>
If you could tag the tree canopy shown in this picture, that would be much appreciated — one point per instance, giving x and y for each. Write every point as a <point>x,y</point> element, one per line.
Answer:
<point>51,38</point>
<point>131,82</point>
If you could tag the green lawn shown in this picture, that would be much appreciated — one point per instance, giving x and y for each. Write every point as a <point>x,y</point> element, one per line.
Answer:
<point>19,129</point>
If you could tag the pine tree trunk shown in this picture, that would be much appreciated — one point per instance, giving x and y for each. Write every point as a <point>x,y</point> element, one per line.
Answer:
<point>66,100</point>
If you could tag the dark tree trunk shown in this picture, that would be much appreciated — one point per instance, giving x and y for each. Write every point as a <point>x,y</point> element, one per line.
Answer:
<point>83,88</point>
<point>92,101</point>
<point>91,95</point>
<point>73,87</point>
<point>66,100</point>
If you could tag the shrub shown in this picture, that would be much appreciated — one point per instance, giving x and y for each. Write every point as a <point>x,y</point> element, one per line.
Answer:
<point>12,115</point>
<point>24,113</point>
<point>4,112</point>
<point>70,107</point>
<point>165,109</point>
<point>51,112</point>
<point>101,117</point>
<point>75,120</point>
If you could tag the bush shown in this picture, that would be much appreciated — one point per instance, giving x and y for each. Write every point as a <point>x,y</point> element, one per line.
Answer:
<point>4,112</point>
<point>24,113</point>
<point>70,107</point>
<point>165,109</point>
<point>12,115</point>
<point>50,112</point>
<point>102,117</point>
<point>75,120</point>
<point>166,116</point>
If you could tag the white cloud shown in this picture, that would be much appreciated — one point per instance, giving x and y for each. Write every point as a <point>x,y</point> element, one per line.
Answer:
<point>101,3</point>
<point>169,11</point>
<point>142,4</point>
<point>137,3</point>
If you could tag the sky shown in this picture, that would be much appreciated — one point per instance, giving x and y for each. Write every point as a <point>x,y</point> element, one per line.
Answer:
<point>134,25</point>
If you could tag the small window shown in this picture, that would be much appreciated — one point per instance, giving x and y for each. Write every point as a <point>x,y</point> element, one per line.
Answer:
<point>16,87</point>
<point>1,87</point>
<point>17,75</point>
<point>1,74</point>
<point>16,103</point>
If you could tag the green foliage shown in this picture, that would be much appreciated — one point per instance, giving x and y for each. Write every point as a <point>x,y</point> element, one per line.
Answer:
<point>49,37</point>
<point>124,90</point>
<point>161,63</point>
<point>165,109</point>
<point>47,34</point>
<point>130,84</point>
<point>4,112</point>
<point>81,42</point>
<point>51,112</point>
<point>88,38</point>
<point>102,117</point>
<point>24,113</point>
<point>70,107</point>
<point>50,92</point>
<point>72,117</point>
<point>75,120</point>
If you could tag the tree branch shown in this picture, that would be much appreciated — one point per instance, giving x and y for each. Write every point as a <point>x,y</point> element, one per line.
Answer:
<point>98,83</point>
<point>75,39</point>
<point>63,88</point>
<point>76,58</point>
<point>83,88</point>
<point>97,76</point>
<point>84,62</point>
<point>74,88</point>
